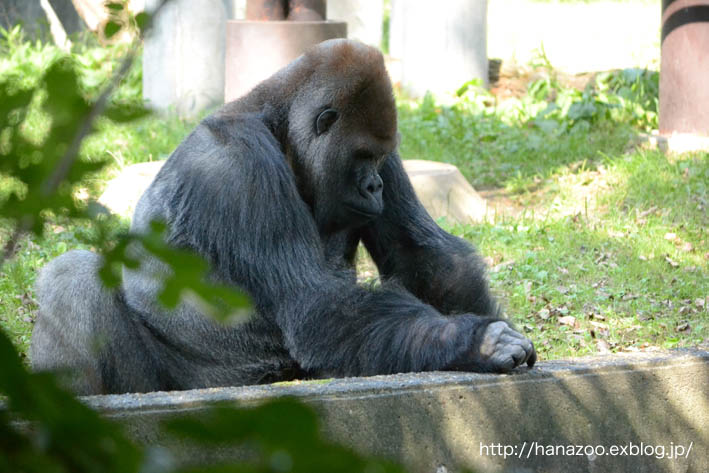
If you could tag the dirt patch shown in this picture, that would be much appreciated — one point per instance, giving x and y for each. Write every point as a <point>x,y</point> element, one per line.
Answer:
<point>513,81</point>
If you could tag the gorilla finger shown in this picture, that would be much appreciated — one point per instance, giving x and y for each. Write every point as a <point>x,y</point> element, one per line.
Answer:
<point>496,329</point>
<point>532,358</point>
<point>502,362</point>
<point>519,355</point>
<point>525,343</point>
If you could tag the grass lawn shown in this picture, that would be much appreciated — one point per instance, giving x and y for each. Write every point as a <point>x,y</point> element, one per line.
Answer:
<point>597,243</point>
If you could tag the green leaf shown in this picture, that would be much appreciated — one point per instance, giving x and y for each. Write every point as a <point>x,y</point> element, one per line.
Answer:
<point>111,29</point>
<point>188,278</point>
<point>547,126</point>
<point>142,20</point>
<point>126,112</point>
<point>66,434</point>
<point>581,110</point>
<point>114,6</point>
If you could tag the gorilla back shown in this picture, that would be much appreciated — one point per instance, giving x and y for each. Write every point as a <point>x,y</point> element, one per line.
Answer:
<point>276,190</point>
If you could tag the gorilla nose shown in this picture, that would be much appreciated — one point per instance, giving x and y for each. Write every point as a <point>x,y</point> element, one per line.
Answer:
<point>371,185</point>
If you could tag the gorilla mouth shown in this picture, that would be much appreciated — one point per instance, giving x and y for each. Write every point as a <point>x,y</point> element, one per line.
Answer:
<point>364,212</point>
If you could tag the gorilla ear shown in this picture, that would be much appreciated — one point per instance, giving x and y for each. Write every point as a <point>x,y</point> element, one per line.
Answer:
<point>325,120</point>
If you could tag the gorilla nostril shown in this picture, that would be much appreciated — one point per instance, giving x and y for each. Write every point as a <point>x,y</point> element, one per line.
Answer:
<point>371,185</point>
<point>375,185</point>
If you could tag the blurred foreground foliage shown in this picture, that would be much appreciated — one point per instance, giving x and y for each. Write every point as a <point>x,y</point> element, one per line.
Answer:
<point>64,435</point>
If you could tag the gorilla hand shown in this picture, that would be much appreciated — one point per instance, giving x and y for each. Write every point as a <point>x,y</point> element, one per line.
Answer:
<point>498,349</point>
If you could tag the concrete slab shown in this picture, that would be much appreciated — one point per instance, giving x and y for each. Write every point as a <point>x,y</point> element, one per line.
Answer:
<point>676,142</point>
<point>444,191</point>
<point>123,191</point>
<point>626,412</point>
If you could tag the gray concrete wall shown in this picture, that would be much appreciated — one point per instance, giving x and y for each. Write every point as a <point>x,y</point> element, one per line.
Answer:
<point>440,422</point>
<point>577,36</point>
<point>364,18</point>
<point>441,187</point>
<point>438,46</point>
<point>183,59</point>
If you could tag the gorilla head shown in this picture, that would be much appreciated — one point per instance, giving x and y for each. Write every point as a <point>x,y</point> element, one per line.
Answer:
<point>341,127</point>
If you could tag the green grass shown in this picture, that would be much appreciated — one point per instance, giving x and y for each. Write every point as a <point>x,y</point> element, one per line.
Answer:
<point>632,272</point>
<point>598,245</point>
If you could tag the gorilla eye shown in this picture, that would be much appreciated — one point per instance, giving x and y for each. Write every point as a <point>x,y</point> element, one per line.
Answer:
<point>325,120</point>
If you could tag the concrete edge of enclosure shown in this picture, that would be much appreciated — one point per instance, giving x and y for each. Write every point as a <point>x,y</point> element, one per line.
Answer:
<point>645,411</point>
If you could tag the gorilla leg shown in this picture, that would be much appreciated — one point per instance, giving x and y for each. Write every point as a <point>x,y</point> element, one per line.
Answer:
<point>86,331</point>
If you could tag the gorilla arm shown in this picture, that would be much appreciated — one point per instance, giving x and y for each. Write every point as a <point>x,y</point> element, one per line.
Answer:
<point>408,246</point>
<point>251,223</point>
<point>438,268</point>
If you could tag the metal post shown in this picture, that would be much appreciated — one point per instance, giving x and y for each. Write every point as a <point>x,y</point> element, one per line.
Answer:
<point>291,10</point>
<point>684,70</point>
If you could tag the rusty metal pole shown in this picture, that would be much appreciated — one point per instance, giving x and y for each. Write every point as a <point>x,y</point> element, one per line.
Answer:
<point>291,10</point>
<point>266,10</point>
<point>307,10</point>
<point>684,69</point>
<point>273,34</point>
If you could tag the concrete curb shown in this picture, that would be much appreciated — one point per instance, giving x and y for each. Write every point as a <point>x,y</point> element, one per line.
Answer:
<point>439,422</point>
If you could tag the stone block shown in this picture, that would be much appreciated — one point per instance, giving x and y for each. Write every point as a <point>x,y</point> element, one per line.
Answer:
<point>444,191</point>
<point>123,192</point>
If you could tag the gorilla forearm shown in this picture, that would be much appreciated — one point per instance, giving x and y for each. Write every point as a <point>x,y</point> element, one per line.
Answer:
<point>351,331</point>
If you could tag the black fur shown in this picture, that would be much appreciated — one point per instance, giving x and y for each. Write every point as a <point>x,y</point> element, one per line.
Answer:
<point>277,202</point>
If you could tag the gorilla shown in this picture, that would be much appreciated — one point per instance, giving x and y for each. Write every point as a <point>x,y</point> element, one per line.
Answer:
<point>276,190</point>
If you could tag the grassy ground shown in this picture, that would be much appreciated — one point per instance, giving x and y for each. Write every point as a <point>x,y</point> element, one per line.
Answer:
<point>626,270</point>
<point>597,244</point>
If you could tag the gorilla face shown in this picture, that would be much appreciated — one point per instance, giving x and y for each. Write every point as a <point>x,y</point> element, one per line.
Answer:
<point>349,164</point>
<point>342,127</point>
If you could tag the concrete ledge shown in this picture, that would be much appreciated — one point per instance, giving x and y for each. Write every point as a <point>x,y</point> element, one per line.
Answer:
<point>440,422</point>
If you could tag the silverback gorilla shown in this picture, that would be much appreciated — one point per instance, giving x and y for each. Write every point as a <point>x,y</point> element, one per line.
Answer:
<point>276,190</point>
